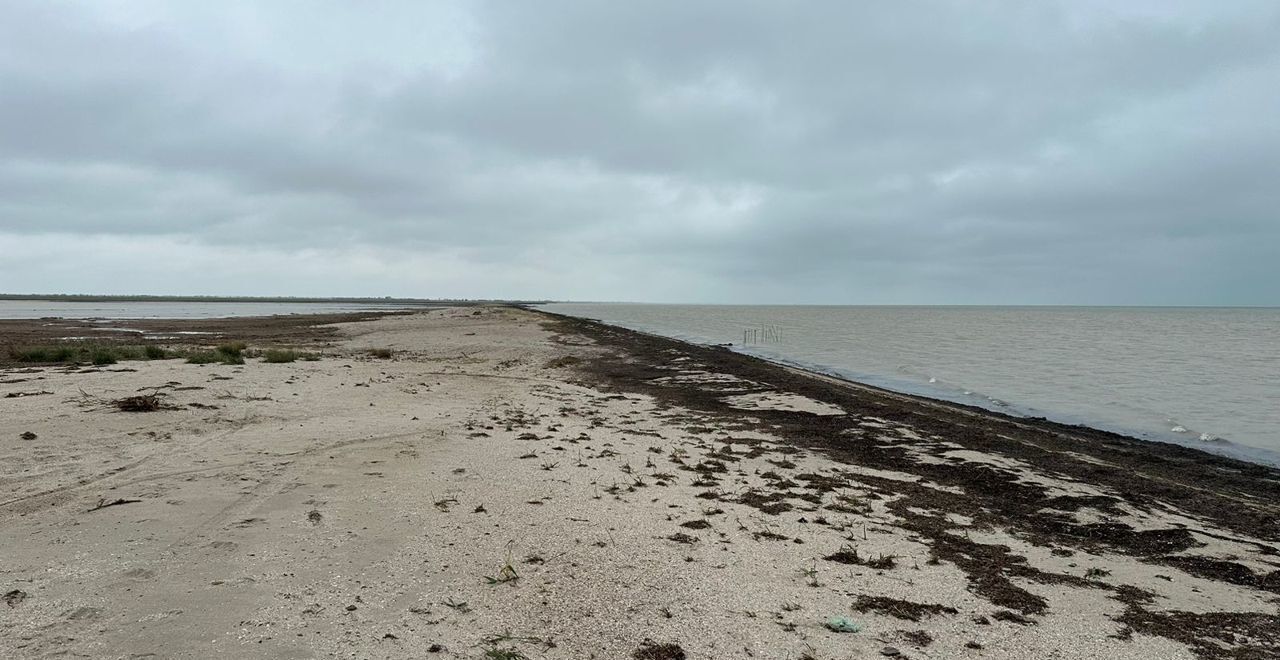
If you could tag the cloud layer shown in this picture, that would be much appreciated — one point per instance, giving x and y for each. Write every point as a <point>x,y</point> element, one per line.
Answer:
<point>1072,152</point>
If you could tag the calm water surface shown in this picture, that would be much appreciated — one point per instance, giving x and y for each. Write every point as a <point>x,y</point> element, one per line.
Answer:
<point>1203,377</point>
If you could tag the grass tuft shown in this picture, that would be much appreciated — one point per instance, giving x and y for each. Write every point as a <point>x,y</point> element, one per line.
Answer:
<point>229,353</point>
<point>507,573</point>
<point>203,357</point>
<point>281,356</point>
<point>99,354</point>
<point>233,350</point>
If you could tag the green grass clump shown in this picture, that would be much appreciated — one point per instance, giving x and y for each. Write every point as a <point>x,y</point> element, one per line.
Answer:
<point>232,353</point>
<point>229,353</point>
<point>280,356</point>
<point>232,349</point>
<point>99,354</point>
<point>102,356</point>
<point>204,357</point>
<point>45,354</point>
<point>216,356</point>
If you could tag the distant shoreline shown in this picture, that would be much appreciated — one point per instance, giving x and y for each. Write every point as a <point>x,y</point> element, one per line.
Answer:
<point>75,297</point>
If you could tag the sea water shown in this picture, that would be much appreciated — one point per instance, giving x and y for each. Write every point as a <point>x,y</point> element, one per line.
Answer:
<point>1203,377</point>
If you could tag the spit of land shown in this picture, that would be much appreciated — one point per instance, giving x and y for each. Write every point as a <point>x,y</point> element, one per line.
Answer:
<point>493,482</point>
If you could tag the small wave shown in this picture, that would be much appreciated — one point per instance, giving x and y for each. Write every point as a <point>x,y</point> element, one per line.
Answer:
<point>1179,429</point>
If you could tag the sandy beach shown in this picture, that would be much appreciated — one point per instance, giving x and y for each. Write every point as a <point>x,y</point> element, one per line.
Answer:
<point>509,484</point>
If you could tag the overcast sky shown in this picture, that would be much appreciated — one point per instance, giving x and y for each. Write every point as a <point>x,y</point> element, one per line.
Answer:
<point>1099,152</point>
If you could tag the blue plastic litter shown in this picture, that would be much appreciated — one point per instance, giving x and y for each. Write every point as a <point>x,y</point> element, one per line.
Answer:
<point>842,624</point>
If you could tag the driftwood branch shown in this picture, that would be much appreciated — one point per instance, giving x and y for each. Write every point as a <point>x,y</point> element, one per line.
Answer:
<point>102,503</point>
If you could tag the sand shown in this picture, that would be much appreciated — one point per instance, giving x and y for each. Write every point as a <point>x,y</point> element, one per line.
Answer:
<point>508,483</point>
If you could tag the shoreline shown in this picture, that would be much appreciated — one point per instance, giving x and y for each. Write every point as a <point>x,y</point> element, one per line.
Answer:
<point>1217,446</point>
<point>302,330</point>
<point>92,298</point>
<point>1097,438</point>
<point>467,480</point>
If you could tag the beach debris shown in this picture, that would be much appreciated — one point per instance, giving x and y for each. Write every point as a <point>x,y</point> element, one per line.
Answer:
<point>1012,617</point>
<point>842,624</point>
<point>847,555</point>
<point>19,395</point>
<point>651,650</point>
<point>509,653</point>
<point>890,652</point>
<point>139,403</point>
<point>28,435</point>
<point>561,362</point>
<point>901,609</point>
<point>918,638</point>
<point>314,516</point>
<point>14,598</point>
<point>102,503</point>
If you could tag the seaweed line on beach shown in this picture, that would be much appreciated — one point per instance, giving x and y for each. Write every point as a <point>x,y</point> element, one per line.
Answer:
<point>1150,477</point>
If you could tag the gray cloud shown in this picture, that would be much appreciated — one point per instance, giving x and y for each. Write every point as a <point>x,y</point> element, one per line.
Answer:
<point>1071,152</point>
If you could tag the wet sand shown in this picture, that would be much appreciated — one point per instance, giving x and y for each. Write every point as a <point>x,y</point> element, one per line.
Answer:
<point>552,488</point>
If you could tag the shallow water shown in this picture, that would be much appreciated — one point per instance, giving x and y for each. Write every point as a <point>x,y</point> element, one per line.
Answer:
<point>34,309</point>
<point>1204,377</point>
